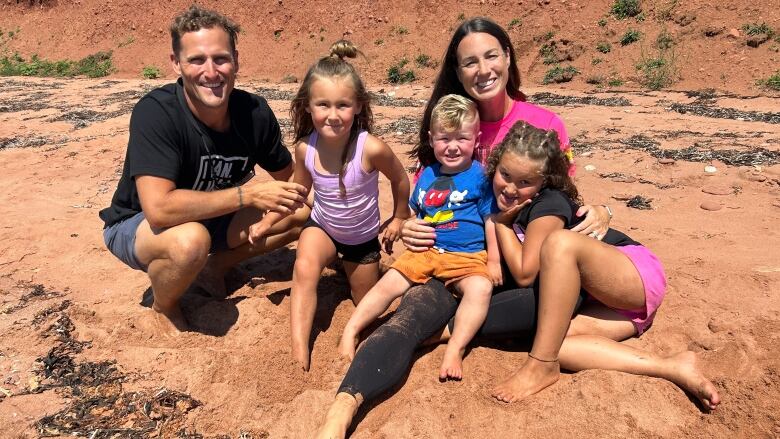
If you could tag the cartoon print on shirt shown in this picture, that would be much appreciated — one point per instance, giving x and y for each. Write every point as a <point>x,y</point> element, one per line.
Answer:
<point>457,197</point>
<point>440,193</point>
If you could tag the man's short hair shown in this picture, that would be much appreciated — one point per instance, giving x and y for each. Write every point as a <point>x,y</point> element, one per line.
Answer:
<point>196,18</point>
<point>452,111</point>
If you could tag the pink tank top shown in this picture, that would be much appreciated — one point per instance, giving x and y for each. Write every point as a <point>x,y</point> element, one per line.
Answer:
<point>353,219</point>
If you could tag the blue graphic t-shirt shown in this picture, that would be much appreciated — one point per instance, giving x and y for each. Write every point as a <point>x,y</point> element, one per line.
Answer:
<point>456,205</point>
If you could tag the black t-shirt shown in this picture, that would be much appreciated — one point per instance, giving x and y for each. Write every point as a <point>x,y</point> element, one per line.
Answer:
<point>167,141</point>
<point>556,203</point>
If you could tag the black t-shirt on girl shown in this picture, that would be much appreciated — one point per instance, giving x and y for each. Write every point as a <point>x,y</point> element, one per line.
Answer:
<point>167,141</point>
<point>556,203</point>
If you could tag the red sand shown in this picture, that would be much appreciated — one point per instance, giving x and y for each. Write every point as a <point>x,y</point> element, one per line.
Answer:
<point>723,265</point>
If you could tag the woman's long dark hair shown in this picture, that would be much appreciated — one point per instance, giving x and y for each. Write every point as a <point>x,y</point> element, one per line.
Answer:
<point>447,82</point>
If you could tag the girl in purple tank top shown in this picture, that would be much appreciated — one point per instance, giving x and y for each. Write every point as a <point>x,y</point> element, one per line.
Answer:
<point>336,155</point>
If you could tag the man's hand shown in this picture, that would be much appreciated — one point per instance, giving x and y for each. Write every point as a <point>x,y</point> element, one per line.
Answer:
<point>275,196</point>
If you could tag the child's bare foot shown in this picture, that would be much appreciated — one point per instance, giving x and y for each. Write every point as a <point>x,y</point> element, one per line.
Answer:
<point>339,417</point>
<point>348,345</point>
<point>452,364</point>
<point>687,375</point>
<point>169,323</point>
<point>534,376</point>
<point>301,354</point>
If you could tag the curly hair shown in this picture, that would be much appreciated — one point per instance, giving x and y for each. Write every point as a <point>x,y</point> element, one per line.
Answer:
<point>330,66</point>
<point>196,18</point>
<point>540,146</point>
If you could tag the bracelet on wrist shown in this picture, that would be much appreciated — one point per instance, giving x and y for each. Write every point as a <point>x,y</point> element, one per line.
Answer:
<point>609,211</point>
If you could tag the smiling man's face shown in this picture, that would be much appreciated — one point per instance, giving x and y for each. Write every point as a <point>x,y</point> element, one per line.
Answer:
<point>208,68</point>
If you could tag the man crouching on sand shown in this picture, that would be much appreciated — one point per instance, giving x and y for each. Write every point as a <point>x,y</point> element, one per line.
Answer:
<point>184,202</point>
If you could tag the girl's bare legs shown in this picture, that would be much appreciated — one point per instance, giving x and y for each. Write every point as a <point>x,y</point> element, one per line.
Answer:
<point>469,317</point>
<point>391,286</point>
<point>361,278</point>
<point>568,260</point>
<point>339,417</point>
<point>315,251</point>
<point>592,343</point>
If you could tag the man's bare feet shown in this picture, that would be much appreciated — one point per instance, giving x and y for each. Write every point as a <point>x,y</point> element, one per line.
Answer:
<point>452,364</point>
<point>212,281</point>
<point>687,375</point>
<point>301,354</point>
<point>348,345</point>
<point>534,376</point>
<point>339,417</point>
<point>169,323</point>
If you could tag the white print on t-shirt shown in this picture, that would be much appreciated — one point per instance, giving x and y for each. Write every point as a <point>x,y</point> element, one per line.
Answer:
<point>456,197</point>
<point>218,177</point>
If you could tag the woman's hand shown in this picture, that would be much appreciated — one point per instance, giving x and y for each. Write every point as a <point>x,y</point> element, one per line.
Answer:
<point>417,235</point>
<point>596,221</point>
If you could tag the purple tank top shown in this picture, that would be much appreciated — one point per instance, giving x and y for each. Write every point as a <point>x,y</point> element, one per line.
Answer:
<point>353,219</point>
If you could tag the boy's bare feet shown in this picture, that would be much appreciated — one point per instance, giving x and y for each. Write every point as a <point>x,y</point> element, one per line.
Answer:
<point>534,376</point>
<point>687,375</point>
<point>452,364</point>
<point>348,345</point>
<point>301,354</point>
<point>339,417</point>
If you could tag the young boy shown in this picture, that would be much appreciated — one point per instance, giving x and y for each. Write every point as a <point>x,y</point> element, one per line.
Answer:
<point>455,197</point>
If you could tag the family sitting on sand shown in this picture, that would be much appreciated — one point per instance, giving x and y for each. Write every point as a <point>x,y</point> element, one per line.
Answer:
<point>498,240</point>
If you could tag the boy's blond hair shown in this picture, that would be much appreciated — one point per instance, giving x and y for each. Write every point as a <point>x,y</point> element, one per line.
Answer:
<point>452,111</point>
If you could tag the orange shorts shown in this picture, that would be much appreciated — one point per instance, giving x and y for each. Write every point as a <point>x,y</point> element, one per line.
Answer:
<point>448,267</point>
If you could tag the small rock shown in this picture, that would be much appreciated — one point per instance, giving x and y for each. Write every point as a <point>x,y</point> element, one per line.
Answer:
<point>717,190</point>
<point>755,177</point>
<point>685,19</point>
<point>710,169</point>
<point>711,206</point>
<point>667,161</point>
<point>624,179</point>
<point>757,40</point>
<point>622,197</point>
<point>776,203</point>
<point>733,33</point>
<point>718,326</point>
<point>711,31</point>
<point>586,154</point>
<point>590,168</point>
<point>391,93</point>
